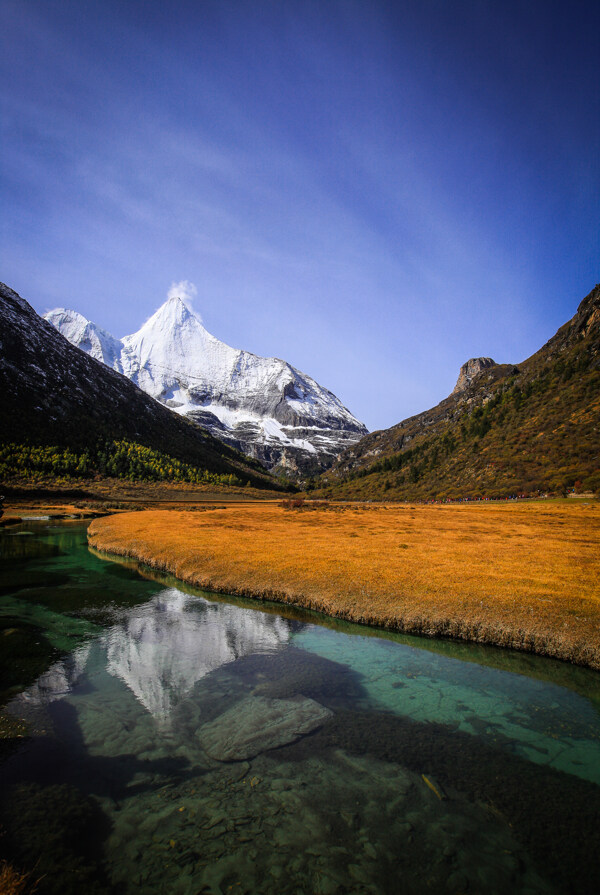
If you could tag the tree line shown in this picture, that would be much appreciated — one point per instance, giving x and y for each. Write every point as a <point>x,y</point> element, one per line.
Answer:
<point>119,459</point>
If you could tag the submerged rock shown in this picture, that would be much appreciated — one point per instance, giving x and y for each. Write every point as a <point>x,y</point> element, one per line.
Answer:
<point>257,724</point>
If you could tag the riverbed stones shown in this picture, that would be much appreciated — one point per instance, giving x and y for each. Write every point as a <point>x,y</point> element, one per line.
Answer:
<point>267,840</point>
<point>257,724</point>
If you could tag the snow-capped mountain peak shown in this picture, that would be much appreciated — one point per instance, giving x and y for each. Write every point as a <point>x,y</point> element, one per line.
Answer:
<point>86,335</point>
<point>262,405</point>
<point>173,328</point>
<point>174,312</point>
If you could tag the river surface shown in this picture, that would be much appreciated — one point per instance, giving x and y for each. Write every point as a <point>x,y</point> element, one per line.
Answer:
<point>157,739</point>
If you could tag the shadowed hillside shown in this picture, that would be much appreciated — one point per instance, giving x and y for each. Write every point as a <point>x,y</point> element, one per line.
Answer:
<point>54,395</point>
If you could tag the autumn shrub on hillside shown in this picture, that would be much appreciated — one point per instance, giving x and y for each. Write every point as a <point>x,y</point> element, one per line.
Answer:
<point>110,458</point>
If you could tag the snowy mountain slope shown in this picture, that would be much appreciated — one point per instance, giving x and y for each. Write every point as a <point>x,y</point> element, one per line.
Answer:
<point>92,339</point>
<point>53,394</point>
<point>263,406</point>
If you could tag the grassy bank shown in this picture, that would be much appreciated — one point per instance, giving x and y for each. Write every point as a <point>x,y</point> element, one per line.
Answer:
<point>520,575</point>
<point>106,494</point>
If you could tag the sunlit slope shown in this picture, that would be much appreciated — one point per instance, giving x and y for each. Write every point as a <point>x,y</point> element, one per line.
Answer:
<point>509,430</point>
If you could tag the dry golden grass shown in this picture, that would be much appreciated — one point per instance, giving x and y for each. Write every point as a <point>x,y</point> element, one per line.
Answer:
<point>14,883</point>
<point>518,575</point>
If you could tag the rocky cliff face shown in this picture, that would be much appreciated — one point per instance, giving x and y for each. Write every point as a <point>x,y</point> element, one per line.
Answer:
<point>263,406</point>
<point>470,370</point>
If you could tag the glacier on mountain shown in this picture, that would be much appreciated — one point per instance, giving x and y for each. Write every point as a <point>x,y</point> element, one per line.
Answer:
<point>263,406</point>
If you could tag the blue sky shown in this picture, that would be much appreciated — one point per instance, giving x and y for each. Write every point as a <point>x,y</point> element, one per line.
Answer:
<point>373,191</point>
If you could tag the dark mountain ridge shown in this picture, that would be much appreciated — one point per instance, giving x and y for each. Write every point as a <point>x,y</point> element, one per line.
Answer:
<point>505,429</point>
<point>52,393</point>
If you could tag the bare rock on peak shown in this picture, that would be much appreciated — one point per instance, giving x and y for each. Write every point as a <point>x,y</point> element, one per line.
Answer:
<point>470,370</point>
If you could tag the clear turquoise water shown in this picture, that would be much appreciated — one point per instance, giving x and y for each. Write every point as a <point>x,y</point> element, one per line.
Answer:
<point>159,739</point>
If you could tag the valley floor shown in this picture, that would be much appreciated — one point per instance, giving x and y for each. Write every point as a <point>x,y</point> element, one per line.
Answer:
<point>518,575</point>
<point>95,497</point>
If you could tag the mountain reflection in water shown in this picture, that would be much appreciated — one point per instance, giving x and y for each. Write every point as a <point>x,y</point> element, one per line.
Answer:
<point>187,745</point>
<point>162,649</point>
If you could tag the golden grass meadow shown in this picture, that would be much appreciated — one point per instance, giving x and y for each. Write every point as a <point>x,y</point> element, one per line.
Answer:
<point>519,575</point>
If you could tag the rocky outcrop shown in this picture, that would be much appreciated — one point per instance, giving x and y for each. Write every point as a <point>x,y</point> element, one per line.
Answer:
<point>470,370</point>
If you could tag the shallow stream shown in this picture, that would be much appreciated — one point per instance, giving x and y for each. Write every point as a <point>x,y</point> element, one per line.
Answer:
<point>161,740</point>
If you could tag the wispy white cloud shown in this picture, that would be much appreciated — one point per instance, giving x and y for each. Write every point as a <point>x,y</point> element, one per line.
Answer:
<point>186,291</point>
